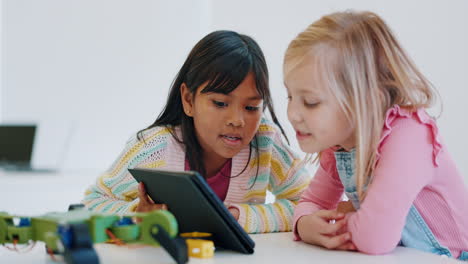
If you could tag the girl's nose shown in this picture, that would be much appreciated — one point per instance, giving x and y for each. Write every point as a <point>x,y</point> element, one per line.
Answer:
<point>294,114</point>
<point>236,118</point>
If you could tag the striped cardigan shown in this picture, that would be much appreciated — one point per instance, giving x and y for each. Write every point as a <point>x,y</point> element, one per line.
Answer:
<point>280,171</point>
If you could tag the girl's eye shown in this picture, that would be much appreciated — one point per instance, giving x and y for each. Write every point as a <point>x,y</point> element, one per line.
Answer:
<point>252,108</point>
<point>310,105</point>
<point>289,98</point>
<point>219,104</point>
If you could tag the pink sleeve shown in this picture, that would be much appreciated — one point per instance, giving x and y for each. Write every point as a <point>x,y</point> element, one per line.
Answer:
<point>324,191</point>
<point>405,166</point>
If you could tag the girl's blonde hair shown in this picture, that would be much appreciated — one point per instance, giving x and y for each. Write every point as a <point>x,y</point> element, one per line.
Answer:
<point>367,71</point>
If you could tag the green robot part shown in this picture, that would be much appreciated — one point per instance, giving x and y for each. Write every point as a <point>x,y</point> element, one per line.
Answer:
<point>73,233</point>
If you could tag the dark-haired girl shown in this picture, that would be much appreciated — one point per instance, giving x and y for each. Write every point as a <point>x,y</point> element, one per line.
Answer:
<point>214,123</point>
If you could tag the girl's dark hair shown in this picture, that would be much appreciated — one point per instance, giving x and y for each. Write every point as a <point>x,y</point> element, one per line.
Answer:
<point>223,59</point>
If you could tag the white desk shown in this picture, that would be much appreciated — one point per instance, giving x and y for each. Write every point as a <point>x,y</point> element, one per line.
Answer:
<point>270,248</point>
<point>35,194</point>
<point>29,193</point>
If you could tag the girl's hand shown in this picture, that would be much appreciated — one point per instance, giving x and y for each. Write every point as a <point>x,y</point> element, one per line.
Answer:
<point>316,229</point>
<point>235,212</point>
<point>345,207</point>
<point>146,204</point>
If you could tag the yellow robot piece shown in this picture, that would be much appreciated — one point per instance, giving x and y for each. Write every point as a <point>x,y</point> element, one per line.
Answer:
<point>200,248</point>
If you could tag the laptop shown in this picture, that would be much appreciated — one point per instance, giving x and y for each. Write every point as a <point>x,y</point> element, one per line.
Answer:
<point>16,147</point>
<point>195,206</point>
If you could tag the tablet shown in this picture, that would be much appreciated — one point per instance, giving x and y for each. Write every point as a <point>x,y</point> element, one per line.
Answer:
<point>196,207</point>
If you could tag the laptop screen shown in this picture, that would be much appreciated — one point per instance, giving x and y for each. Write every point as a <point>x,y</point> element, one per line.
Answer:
<point>16,144</point>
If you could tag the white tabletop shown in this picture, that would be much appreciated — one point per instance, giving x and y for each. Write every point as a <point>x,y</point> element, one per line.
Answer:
<point>32,194</point>
<point>270,248</point>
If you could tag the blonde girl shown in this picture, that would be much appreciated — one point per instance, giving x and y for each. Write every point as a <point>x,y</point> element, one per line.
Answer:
<point>357,99</point>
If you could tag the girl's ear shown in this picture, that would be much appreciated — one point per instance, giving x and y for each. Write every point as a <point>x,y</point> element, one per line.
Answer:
<point>187,99</point>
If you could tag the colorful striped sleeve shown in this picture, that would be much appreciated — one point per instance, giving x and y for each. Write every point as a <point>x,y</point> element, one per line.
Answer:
<point>287,180</point>
<point>116,190</point>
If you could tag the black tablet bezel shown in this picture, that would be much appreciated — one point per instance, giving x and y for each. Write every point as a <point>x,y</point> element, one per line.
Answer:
<point>156,179</point>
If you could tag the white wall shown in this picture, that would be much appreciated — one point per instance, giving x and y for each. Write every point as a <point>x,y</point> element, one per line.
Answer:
<point>93,71</point>
<point>433,32</point>
<point>102,68</point>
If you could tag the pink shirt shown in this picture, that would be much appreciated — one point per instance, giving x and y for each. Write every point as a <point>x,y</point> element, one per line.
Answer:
<point>220,182</point>
<point>413,167</point>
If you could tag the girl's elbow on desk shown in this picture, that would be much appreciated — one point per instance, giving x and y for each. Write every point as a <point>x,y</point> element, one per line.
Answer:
<point>369,236</point>
<point>374,248</point>
<point>372,242</point>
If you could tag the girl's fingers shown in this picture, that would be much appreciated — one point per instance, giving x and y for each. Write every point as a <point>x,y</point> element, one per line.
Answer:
<point>331,229</point>
<point>333,242</point>
<point>141,189</point>
<point>330,214</point>
<point>146,203</point>
<point>142,193</point>
<point>345,207</point>
<point>152,207</point>
<point>347,246</point>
